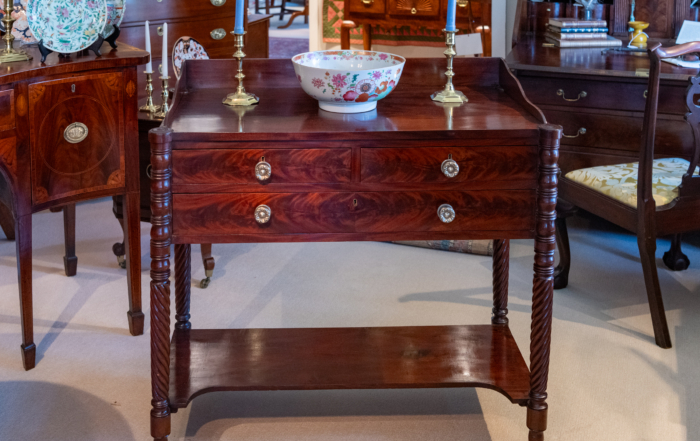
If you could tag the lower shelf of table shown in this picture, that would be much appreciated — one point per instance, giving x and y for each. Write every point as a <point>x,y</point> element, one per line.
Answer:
<point>211,360</point>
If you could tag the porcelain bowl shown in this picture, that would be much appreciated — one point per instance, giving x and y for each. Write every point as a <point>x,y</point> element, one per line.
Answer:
<point>348,81</point>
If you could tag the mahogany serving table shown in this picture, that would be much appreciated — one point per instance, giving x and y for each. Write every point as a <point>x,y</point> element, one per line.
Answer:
<point>370,176</point>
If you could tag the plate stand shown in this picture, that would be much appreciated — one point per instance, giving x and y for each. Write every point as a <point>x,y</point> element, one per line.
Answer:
<point>95,47</point>
<point>112,39</point>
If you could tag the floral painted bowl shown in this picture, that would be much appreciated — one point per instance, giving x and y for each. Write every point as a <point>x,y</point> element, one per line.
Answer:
<point>348,81</point>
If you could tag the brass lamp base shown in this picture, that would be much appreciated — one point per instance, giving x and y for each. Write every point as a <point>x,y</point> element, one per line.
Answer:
<point>240,99</point>
<point>14,56</point>
<point>449,96</point>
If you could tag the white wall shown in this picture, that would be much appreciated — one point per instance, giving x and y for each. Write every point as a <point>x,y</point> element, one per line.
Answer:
<point>502,14</point>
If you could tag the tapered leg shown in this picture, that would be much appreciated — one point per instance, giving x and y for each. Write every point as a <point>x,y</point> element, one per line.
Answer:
<point>23,238</point>
<point>209,264</point>
<point>367,36</point>
<point>7,222</point>
<point>542,288</point>
<point>501,266</point>
<point>674,258</point>
<point>647,253</point>
<point>70,261</point>
<point>183,282</point>
<point>132,241</point>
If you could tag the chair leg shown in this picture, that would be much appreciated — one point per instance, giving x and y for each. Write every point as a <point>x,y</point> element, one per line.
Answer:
<point>282,9</point>
<point>209,264</point>
<point>296,14</point>
<point>674,258</point>
<point>7,222</point>
<point>23,236</point>
<point>647,252</point>
<point>70,261</point>
<point>367,36</point>
<point>561,272</point>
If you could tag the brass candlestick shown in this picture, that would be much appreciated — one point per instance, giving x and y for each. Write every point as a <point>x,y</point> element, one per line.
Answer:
<point>149,106</point>
<point>164,108</point>
<point>240,97</point>
<point>10,55</point>
<point>449,94</point>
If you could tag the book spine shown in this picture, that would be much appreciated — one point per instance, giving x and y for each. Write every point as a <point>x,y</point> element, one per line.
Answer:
<point>585,43</point>
<point>577,23</point>
<point>579,30</point>
<point>591,36</point>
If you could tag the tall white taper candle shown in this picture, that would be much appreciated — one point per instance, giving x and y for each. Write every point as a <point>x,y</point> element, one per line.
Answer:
<point>149,66</point>
<point>165,49</point>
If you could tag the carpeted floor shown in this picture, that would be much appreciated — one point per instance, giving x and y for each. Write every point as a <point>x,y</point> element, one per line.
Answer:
<point>288,47</point>
<point>92,382</point>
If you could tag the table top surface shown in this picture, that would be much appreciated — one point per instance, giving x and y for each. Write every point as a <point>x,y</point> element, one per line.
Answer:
<point>529,54</point>
<point>286,112</point>
<point>124,55</point>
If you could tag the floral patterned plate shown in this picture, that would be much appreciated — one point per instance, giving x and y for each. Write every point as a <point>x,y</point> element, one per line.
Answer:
<point>115,15</point>
<point>187,48</point>
<point>67,26</point>
<point>348,81</point>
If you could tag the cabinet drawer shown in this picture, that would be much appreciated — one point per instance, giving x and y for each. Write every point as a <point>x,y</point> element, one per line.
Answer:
<point>201,214</point>
<point>77,139</point>
<point>673,135</point>
<point>158,11</point>
<point>287,166</point>
<point>368,6</point>
<point>424,164</point>
<point>383,212</point>
<point>415,8</point>
<point>601,94</point>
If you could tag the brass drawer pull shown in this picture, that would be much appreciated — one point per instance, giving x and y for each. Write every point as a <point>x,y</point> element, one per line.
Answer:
<point>263,170</point>
<point>583,94</point>
<point>450,168</point>
<point>262,214</point>
<point>462,3</point>
<point>75,132</point>
<point>581,131</point>
<point>367,2</point>
<point>646,92</point>
<point>446,213</point>
<point>160,31</point>
<point>218,34</point>
<point>218,2</point>
<point>414,11</point>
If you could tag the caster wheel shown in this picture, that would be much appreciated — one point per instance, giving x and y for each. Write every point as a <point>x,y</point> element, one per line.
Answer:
<point>122,262</point>
<point>205,283</point>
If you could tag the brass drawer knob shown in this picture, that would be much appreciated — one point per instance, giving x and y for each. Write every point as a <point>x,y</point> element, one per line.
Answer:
<point>218,34</point>
<point>263,171</point>
<point>262,214</point>
<point>414,11</point>
<point>367,2</point>
<point>446,213</point>
<point>218,2</point>
<point>583,94</point>
<point>450,168</point>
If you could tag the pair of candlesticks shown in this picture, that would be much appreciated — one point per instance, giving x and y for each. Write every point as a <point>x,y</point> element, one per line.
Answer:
<point>156,111</point>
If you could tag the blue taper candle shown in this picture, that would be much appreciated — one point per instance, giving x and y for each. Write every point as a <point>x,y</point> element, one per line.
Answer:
<point>451,15</point>
<point>240,10</point>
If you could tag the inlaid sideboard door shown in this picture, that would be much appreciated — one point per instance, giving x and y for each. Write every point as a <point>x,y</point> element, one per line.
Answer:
<point>77,137</point>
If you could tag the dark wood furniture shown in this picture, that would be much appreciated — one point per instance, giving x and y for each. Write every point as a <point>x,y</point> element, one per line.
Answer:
<point>472,17</point>
<point>350,179</point>
<point>649,221</point>
<point>303,13</point>
<point>45,108</point>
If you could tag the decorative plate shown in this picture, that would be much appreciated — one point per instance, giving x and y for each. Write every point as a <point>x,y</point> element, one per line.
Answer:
<point>115,15</point>
<point>67,26</point>
<point>187,48</point>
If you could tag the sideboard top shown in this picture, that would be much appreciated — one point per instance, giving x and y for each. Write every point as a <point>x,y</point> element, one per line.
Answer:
<point>497,106</point>
<point>124,55</point>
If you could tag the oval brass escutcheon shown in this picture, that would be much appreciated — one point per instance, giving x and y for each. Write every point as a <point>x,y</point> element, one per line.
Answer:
<point>75,132</point>
<point>218,34</point>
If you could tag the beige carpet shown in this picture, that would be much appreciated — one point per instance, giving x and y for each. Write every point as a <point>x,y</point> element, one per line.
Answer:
<point>608,380</point>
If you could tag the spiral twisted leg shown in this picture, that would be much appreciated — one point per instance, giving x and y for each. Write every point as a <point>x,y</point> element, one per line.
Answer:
<point>183,276</point>
<point>501,266</point>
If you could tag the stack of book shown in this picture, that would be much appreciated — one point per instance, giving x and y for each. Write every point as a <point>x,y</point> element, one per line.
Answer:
<point>571,32</point>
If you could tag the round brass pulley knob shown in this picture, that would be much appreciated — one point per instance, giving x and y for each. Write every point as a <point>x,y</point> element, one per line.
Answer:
<point>262,214</point>
<point>446,213</point>
<point>450,168</point>
<point>263,171</point>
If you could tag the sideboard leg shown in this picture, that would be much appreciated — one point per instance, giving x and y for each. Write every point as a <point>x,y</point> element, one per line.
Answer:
<point>183,282</point>
<point>367,36</point>
<point>542,289</point>
<point>70,260</point>
<point>161,239</point>
<point>132,242</point>
<point>23,242</point>
<point>501,266</point>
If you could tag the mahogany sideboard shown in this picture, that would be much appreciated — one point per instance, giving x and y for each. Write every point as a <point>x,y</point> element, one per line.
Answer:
<point>334,177</point>
<point>68,132</point>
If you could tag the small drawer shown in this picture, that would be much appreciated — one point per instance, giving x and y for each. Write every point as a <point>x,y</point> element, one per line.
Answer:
<point>415,8</point>
<point>289,213</point>
<point>7,110</point>
<point>601,94</point>
<point>259,166</point>
<point>431,165</point>
<point>383,212</point>
<point>368,6</point>
<point>166,10</point>
<point>673,135</point>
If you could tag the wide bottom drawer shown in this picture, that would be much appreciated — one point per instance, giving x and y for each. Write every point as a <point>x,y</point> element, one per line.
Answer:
<point>352,212</point>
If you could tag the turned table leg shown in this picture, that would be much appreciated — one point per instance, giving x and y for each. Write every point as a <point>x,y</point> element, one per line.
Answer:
<point>161,237</point>
<point>70,260</point>
<point>501,266</point>
<point>541,327</point>
<point>183,282</point>
<point>23,242</point>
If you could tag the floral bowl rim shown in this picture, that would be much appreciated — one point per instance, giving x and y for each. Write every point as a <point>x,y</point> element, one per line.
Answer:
<point>399,58</point>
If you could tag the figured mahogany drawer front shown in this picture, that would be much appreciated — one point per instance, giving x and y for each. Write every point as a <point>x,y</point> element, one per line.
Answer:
<point>77,139</point>
<point>601,94</point>
<point>380,212</point>
<point>201,214</point>
<point>7,110</point>
<point>274,166</point>
<point>164,10</point>
<point>430,165</point>
<point>673,136</point>
<point>368,6</point>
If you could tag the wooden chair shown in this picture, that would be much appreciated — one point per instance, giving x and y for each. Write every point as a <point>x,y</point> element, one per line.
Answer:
<point>646,204</point>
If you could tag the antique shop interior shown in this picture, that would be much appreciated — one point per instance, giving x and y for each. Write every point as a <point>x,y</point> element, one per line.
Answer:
<point>349,220</point>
